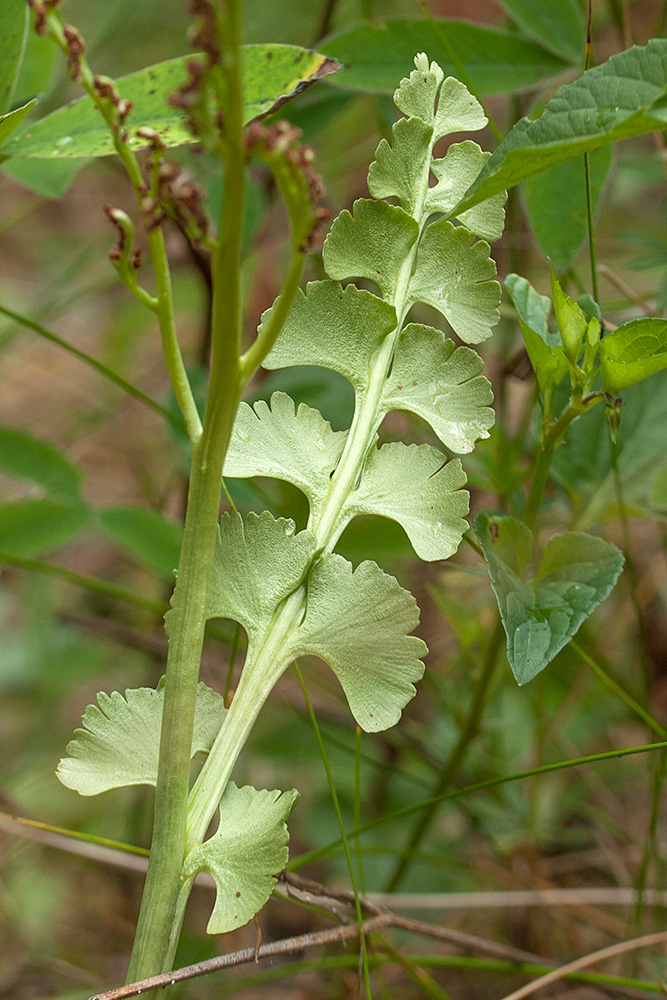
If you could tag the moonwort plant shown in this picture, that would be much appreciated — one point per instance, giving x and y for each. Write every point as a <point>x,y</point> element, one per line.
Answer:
<point>289,590</point>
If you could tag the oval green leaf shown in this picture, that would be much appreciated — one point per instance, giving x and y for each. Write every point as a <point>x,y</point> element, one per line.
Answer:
<point>272,74</point>
<point>557,24</point>
<point>26,457</point>
<point>14,22</point>
<point>556,205</point>
<point>376,55</point>
<point>147,535</point>
<point>632,352</point>
<point>30,527</point>
<point>623,97</point>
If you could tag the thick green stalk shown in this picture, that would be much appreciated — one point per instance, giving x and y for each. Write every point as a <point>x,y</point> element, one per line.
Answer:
<point>160,910</point>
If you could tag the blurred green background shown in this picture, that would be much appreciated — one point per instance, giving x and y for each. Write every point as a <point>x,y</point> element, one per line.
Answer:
<point>66,922</point>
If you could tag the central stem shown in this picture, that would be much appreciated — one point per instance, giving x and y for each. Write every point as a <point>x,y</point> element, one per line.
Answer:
<point>266,663</point>
<point>155,937</point>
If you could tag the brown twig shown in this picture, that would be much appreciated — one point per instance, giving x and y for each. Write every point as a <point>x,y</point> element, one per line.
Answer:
<point>345,932</point>
<point>285,947</point>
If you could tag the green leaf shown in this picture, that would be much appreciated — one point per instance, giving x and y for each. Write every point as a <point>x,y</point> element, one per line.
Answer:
<point>31,527</point>
<point>26,457</point>
<point>375,55</point>
<point>119,743</point>
<point>623,97</point>
<point>14,25</point>
<point>395,171</point>
<point>299,447</point>
<point>271,75</point>
<point>582,463</point>
<point>358,621</point>
<point>456,110</point>
<point>334,327</point>
<point>545,349</point>
<point>453,275</point>
<point>557,24</point>
<point>147,535</point>
<point>532,308</point>
<point>245,854</point>
<point>632,352</point>
<point>442,384</point>
<point>541,613</point>
<point>50,178</point>
<point>256,565</point>
<point>371,243</point>
<point>570,318</point>
<point>414,485</point>
<point>556,205</point>
<point>12,120</point>
<point>455,173</point>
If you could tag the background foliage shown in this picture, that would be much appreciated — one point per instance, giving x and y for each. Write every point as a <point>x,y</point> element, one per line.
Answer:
<point>93,482</point>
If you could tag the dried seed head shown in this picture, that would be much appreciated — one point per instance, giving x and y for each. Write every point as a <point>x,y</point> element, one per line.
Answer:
<point>204,36</point>
<point>40,9</point>
<point>76,47</point>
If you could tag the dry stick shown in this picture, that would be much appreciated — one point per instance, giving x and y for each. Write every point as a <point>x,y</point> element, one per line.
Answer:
<point>582,963</point>
<point>287,946</point>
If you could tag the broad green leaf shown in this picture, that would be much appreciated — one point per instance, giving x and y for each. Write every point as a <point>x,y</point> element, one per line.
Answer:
<point>26,457</point>
<point>632,352</point>
<point>13,119</point>
<point>119,743</point>
<point>623,97</point>
<point>532,308</point>
<point>395,171</point>
<point>375,55</point>
<point>582,463</point>
<point>358,621</point>
<point>557,24</point>
<point>414,485</point>
<point>442,384</point>
<point>545,349</point>
<point>556,205</point>
<point>456,109</point>
<point>455,173</point>
<point>271,75</point>
<point>256,565</point>
<point>571,320</point>
<point>245,854</point>
<point>299,447</point>
<point>31,527</point>
<point>147,535</point>
<point>453,275</point>
<point>541,613</point>
<point>50,178</point>
<point>371,243</point>
<point>335,327</point>
<point>14,24</point>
